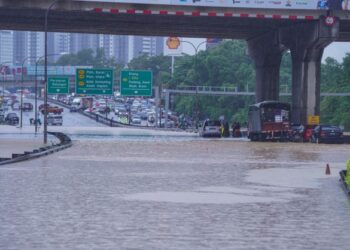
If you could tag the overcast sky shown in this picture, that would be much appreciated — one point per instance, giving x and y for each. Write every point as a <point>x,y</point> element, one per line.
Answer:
<point>337,50</point>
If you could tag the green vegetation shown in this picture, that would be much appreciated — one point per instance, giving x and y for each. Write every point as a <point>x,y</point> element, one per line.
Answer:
<point>347,177</point>
<point>227,65</point>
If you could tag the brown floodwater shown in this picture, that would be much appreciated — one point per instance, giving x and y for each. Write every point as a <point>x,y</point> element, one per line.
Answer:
<point>163,193</point>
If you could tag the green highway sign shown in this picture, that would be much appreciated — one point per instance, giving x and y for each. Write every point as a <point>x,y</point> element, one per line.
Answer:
<point>135,83</point>
<point>94,81</point>
<point>57,85</point>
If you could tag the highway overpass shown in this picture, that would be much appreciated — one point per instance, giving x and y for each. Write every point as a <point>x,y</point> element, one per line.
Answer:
<point>156,20</point>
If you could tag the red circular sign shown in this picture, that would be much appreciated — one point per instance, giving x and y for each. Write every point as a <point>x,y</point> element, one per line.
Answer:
<point>329,20</point>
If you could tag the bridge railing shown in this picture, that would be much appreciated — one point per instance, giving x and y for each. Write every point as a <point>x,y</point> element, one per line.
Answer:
<point>207,88</point>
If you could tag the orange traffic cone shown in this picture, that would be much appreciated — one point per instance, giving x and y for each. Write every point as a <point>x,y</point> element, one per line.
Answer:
<point>328,170</point>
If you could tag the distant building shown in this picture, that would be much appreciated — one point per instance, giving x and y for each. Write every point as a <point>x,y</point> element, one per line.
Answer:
<point>116,47</point>
<point>80,42</point>
<point>152,46</point>
<point>121,49</point>
<point>28,47</point>
<point>58,44</point>
<point>6,46</point>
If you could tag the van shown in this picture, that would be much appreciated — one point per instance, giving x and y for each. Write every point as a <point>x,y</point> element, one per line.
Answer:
<point>75,105</point>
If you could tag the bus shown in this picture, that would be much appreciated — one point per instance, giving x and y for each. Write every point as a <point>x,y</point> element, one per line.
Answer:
<point>269,120</point>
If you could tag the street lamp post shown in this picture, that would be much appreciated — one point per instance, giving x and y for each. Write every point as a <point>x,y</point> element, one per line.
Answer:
<point>196,78</point>
<point>36,91</point>
<point>22,79</point>
<point>3,76</point>
<point>45,75</point>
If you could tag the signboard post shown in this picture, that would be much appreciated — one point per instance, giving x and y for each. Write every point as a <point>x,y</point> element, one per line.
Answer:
<point>57,85</point>
<point>136,83</point>
<point>94,81</point>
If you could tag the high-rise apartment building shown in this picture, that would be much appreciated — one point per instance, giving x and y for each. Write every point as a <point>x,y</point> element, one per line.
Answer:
<point>121,49</point>
<point>116,47</point>
<point>6,46</point>
<point>58,44</point>
<point>80,42</point>
<point>151,46</point>
<point>28,47</point>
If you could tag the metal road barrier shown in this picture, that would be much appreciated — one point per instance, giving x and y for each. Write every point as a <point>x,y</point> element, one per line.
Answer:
<point>65,142</point>
<point>109,122</point>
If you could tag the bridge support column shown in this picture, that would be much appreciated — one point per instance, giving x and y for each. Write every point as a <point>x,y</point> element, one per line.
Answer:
<point>266,51</point>
<point>306,42</point>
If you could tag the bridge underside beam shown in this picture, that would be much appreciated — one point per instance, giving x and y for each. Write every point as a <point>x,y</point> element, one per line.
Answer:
<point>126,24</point>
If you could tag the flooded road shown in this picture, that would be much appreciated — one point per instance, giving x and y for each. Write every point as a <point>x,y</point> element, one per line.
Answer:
<point>177,194</point>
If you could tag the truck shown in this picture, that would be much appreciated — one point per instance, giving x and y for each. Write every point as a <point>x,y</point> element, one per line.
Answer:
<point>269,120</point>
<point>81,103</point>
<point>75,105</point>
<point>86,102</point>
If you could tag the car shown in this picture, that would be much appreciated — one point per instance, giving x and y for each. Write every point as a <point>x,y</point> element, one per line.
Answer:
<point>2,117</point>
<point>103,109</point>
<point>16,106</point>
<point>50,109</point>
<point>120,109</point>
<point>12,119</point>
<point>210,128</point>
<point>136,120</point>
<point>327,134</point>
<point>27,106</point>
<point>54,120</point>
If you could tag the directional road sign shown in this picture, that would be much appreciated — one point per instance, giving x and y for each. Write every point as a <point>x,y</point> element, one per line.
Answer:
<point>94,81</point>
<point>57,85</point>
<point>136,83</point>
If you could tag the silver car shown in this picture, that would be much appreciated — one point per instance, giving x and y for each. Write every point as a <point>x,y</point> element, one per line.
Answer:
<point>210,128</point>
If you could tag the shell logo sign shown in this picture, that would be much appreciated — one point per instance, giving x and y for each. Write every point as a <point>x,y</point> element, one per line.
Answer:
<point>173,42</point>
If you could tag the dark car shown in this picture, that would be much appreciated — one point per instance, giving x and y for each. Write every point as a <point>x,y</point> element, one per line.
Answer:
<point>27,106</point>
<point>12,119</point>
<point>327,134</point>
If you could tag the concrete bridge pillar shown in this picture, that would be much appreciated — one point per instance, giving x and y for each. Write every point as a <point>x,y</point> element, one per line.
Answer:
<point>306,42</point>
<point>266,52</point>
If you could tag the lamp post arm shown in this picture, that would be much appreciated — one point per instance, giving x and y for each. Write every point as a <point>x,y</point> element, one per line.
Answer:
<point>45,75</point>
<point>199,45</point>
<point>190,43</point>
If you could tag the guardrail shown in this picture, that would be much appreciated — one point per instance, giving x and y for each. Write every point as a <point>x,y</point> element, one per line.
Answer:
<point>110,122</point>
<point>65,142</point>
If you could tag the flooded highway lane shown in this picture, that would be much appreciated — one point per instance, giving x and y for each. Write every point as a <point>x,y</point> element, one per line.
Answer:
<point>177,194</point>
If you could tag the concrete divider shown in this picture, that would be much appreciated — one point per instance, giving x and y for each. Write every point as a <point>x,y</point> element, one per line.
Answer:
<point>65,142</point>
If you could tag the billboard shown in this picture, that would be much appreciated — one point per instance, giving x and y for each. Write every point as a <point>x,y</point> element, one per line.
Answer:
<point>260,4</point>
<point>172,46</point>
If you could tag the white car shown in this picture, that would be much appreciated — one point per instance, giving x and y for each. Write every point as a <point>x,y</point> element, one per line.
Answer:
<point>55,120</point>
<point>210,128</point>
